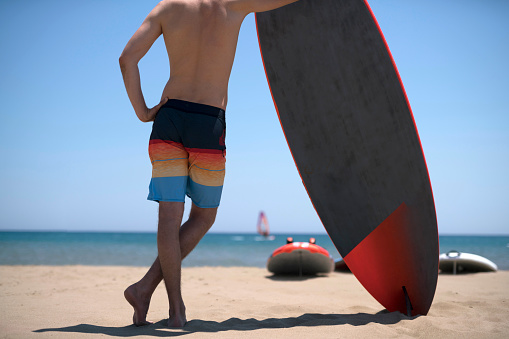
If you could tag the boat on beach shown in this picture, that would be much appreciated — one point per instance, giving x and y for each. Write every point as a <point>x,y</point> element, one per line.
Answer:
<point>458,262</point>
<point>340,266</point>
<point>300,258</point>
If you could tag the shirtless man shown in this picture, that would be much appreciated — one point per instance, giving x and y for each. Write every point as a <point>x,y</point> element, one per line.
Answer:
<point>186,147</point>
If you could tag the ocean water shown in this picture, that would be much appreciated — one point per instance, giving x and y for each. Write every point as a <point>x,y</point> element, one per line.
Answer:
<point>215,249</point>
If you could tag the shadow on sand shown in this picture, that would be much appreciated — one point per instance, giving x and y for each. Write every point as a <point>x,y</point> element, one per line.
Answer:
<point>293,277</point>
<point>159,329</point>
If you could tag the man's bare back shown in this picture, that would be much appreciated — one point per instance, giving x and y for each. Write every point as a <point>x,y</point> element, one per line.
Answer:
<point>201,39</point>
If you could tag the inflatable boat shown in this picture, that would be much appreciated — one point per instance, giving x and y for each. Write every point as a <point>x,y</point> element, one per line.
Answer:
<point>300,258</point>
<point>457,262</point>
<point>340,266</point>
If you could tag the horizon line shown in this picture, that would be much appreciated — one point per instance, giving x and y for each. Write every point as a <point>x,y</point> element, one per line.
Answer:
<point>214,232</point>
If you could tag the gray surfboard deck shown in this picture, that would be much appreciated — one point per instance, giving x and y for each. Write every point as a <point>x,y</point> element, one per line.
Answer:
<point>352,134</point>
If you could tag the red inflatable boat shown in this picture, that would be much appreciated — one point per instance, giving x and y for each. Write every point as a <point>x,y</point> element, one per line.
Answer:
<point>300,258</point>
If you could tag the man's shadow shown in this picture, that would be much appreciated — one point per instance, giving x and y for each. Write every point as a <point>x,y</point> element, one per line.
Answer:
<point>159,329</point>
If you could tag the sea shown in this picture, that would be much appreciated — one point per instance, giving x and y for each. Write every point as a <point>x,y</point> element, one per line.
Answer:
<point>215,249</point>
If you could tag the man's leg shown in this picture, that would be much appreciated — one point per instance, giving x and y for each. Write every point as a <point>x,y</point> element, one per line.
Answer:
<point>192,231</point>
<point>168,249</point>
<point>139,294</point>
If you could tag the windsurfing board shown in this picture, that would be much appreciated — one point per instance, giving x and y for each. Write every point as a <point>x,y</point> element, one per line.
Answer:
<point>351,132</point>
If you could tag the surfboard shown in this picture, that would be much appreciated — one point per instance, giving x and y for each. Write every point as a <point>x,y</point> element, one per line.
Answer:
<point>351,132</point>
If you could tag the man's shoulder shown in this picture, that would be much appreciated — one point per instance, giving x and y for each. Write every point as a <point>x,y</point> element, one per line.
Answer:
<point>165,8</point>
<point>173,5</point>
<point>244,7</point>
<point>248,6</point>
<point>166,5</point>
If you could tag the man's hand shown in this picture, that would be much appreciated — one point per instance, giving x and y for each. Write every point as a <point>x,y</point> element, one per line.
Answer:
<point>152,112</point>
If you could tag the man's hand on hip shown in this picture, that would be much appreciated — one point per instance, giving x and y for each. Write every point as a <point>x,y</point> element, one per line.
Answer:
<point>152,112</point>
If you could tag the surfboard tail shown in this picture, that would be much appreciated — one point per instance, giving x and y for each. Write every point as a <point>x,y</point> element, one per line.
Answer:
<point>387,264</point>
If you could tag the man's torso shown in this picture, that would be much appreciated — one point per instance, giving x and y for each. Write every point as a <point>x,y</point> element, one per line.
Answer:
<point>201,38</point>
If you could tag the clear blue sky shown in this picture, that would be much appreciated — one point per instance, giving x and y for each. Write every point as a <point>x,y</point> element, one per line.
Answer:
<point>74,155</point>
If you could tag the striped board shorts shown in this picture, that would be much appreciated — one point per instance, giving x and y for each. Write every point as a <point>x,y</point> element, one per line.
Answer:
<point>187,150</point>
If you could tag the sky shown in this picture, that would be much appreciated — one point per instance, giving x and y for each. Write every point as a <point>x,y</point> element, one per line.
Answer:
<point>73,155</point>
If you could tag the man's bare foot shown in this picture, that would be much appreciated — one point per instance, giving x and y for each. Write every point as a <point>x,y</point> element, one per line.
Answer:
<point>139,303</point>
<point>177,322</point>
<point>177,317</point>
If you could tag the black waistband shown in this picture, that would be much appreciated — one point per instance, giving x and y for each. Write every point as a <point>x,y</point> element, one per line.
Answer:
<point>192,107</point>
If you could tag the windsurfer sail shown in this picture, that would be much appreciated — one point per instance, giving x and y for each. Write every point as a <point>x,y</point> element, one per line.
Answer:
<point>263,225</point>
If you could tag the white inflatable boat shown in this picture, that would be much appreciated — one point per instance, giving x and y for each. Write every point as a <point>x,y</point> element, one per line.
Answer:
<point>457,262</point>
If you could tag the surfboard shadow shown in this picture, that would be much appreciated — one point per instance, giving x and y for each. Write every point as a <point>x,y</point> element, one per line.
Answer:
<point>159,329</point>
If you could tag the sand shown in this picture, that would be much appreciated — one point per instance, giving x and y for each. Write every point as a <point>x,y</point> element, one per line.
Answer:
<point>234,302</point>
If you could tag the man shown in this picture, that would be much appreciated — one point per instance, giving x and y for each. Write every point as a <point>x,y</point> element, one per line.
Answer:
<point>186,147</point>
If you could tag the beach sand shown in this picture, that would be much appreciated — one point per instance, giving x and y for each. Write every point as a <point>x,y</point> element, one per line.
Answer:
<point>234,302</point>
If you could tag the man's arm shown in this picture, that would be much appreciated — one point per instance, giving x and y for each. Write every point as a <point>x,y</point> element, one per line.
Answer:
<point>249,6</point>
<point>136,48</point>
